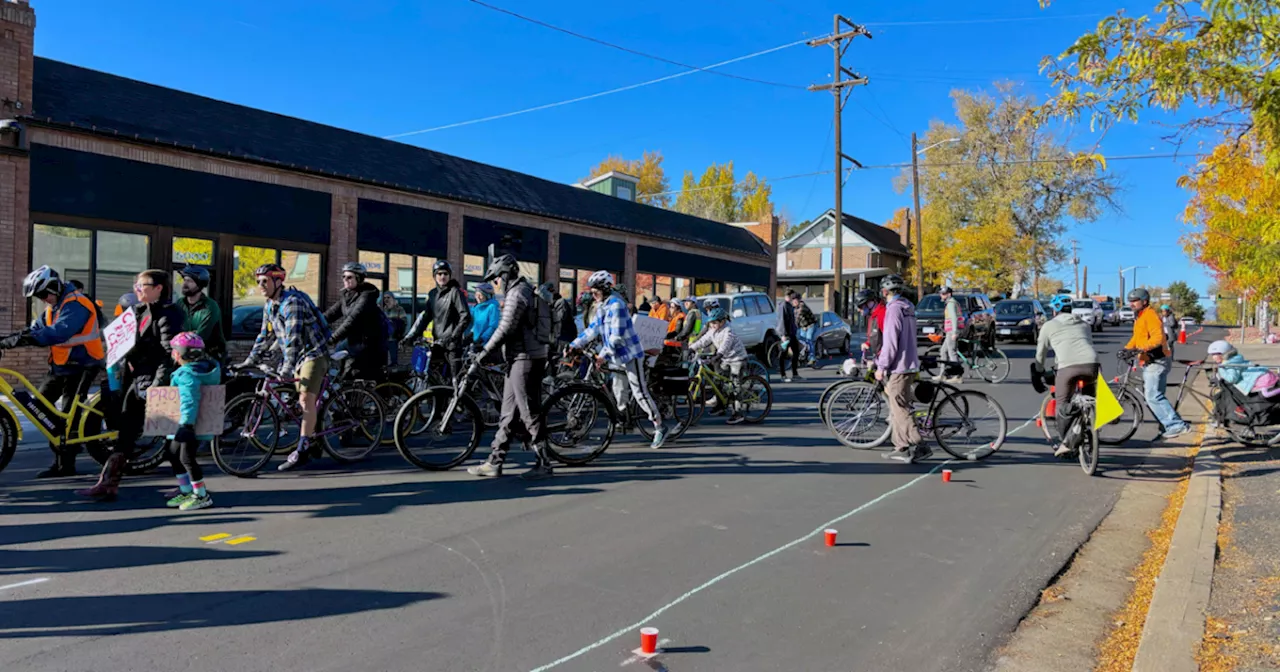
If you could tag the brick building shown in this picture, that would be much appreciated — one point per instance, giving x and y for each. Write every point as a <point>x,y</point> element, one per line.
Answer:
<point>102,176</point>
<point>805,261</point>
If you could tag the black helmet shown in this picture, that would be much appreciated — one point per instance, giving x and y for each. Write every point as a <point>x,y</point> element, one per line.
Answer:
<point>271,271</point>
<point>892,282</point>
<point>504,267</point>
<point>355,268</point>
<point>945,290</point>
<point>441,265</point>
<point>198,273</point>
<point>864,297</point>
<point>1140,294</point>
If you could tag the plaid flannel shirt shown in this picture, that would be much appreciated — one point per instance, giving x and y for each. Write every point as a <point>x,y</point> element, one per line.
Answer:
<point>294,324</point>
<point>617,333</point>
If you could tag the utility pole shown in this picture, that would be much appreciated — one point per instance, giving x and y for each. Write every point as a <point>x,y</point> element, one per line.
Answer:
<point>1123,296</point>
<point>1085,282</point>
<point>840,42</point>
<point>1075,266</point>
<point>915,189</point>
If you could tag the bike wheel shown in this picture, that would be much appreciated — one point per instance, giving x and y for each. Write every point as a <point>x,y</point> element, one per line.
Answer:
<point>773,355</point>
<point>393,396</point>
<point>359,412</point>
<point>1089,445</point>
<point>755,399</point>
<point>8,439</point>
<point>968,424</point>
<point>290,413</point>
<point>147,453</point>
<point>826,394</point>
<point>992,365</point>
<point>858,415</point>
<point>579,422</point>
<point>1124,427</point>
<point>250,431</point>
<point>441,443</point>
<point>678,409</point>
<point>755,367</point>
<point>930,360</point>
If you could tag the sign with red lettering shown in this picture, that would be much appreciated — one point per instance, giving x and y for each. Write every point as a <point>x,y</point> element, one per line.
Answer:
<point>164,411</point>
<point>120,336</point>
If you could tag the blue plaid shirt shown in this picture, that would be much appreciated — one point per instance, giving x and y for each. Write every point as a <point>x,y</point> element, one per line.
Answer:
<point>295,324</point>
<point>617,334</point>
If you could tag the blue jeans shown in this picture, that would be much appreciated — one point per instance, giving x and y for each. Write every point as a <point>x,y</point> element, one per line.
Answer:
<point>806,337</point>
<point>1155,377</point>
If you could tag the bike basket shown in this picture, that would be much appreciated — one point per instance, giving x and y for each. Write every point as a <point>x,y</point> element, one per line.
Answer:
<point>421,359</point>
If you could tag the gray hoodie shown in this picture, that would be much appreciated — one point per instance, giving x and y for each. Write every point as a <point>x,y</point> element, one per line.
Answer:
<point>1071,340</point>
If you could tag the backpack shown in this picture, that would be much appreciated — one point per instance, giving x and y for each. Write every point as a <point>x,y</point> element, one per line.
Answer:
<point>538,319</point>
<point>805,318</point>
<point>323,324</point>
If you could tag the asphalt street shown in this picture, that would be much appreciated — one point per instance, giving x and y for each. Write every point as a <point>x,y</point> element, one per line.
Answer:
<point>715,540</point>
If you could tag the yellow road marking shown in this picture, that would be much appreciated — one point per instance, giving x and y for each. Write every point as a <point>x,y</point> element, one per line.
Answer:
<point>215,537</point>
<point>241,540</point>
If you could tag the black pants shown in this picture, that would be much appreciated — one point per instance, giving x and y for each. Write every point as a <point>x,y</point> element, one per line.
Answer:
<point>441,354</point>
<point>131,418</point>
<point>1064,387</point>
<point>62,389</point>
<point>521,408</point>
<point>793,346</point>
<point>182,456</point>
<point>368,363</point>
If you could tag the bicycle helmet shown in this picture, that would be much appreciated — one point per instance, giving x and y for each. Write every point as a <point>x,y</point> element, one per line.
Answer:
<point>198,273</point>
<point>864,297</point>
<point>188,344</point>
<point>441,265</point>
<point>355,268</point>
<point>43,280</point>
<point>271,271</point>
<point>601,280</point>
<point>1165,306</point>
<point>716,314</point>
<point>945,290</point>
<point>892,283</point>
<point>1223,348</point>
<point>504,267</point>
<point>1140,294</point>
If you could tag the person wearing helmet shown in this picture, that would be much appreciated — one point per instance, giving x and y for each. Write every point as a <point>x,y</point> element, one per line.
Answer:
<point>1170,324</point>
<point>787,329</point>
<point>730,352</point>
<point>358,319</point>
<point>672,345</point>
<point>524,335</point>
<point>195,370</point>
<point>1233,368</point>
<point>952,325</point>
<point>292,322</point>
<point>620,348</point>
<point>70,328</point>
<point>897,365</point>
<point>449,317</point>
<point>1071,339</point>
<point>1152,344</point>
<point>692,320</point>
<point>868,301</point>
<point>485,315</point>
<point>202,314</point>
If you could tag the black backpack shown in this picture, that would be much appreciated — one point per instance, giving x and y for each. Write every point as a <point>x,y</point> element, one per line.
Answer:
<point>538,318</point>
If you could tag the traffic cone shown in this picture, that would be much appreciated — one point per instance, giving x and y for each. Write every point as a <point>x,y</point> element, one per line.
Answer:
<point>1182,334</point>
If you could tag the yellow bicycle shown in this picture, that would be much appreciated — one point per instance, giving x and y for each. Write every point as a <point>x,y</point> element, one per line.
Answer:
<point>753,395</point>
<point>80,425</point>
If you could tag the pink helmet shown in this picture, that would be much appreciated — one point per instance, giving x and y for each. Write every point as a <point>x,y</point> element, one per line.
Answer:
<point>187,340</point>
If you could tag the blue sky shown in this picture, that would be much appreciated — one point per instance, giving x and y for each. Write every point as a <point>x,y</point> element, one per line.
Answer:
<point>384,67</point>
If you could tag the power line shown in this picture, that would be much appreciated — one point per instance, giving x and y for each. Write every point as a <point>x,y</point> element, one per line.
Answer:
<point>959,22</point>
<point>601,94</point>
<point>629,50</point>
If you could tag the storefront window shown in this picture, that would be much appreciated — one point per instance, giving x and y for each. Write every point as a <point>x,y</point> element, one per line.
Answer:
<point>683,287</point>
<point>662,287</point>
<point>303,271</point>
<point>532,271</point>
<point>643,288</point>
<point>246,302</point>
<point>65,250</point>
<point>472,264</point>
<point>121,256</point>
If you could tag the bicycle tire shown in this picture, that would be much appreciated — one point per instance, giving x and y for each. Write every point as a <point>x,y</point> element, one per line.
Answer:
<point>569,432</point>
<point>826,394</point>
<point>931,359</point>
<point>423,407</point>
<point>8,439</point>
<point>755,367</point>
<point>992,365</point>
<point>773,355</point>
<point>1119,430</point>
<point>245,454</point>
<point>860,398</point>
<point>393,396</point>
<point>754,391</point>
<point>952,417</point>
<point>669,407</point>
<point>1089,447</point>
<point>357,443</point>
<point>148,452</point>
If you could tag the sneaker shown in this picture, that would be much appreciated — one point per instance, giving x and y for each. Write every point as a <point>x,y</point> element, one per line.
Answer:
<point>178,500</point>
<point>903,455</point>
<point>922,452</point>
<point>539,471</point>
<point>1063,450</point>
<point>787,379</point>
<point>296,459</point>
<point>795,377</point>
<point>953,380</point>
<point>1172,433</point>
<point>736,419</point>
<point>659,437</point>
<point>486,469</point>
<point>172,492</point>
<point>195,501</point>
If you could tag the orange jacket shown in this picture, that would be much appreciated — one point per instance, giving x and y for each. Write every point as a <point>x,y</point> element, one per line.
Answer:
<point>660,311</point>
<point>1148,332</point>
<point>673,328</point>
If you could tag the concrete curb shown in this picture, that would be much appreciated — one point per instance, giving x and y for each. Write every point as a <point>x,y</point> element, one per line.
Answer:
<point>1176,617</point>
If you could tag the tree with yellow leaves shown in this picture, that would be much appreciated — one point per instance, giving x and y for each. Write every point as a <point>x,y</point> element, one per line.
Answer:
<point>653,185</point>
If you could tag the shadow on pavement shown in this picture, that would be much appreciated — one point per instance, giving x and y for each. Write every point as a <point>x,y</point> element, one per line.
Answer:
<point>11,535</point>
<point>111,557</point>
<point>96,616</point>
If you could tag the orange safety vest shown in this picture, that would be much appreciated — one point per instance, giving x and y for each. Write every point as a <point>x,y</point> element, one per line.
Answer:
<point>673,327</point>
<point>90,337</point>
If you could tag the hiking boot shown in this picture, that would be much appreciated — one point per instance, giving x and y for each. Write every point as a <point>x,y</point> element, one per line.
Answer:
<point>539,471</point>
<point>108,484</point>
<point>486,469</point>
<point>194,502</point>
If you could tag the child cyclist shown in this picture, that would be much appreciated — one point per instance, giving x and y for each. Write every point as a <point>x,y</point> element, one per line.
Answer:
<point>730,351</point>
<point>195,370</point>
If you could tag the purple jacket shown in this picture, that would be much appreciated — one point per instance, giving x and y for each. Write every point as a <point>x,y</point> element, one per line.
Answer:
<point>898,354</point>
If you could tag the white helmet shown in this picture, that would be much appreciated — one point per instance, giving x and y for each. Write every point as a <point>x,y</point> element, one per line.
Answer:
<point>40,281</point>
<point>850,365</point>
<point>600,280</point>
<point>1221,348</point>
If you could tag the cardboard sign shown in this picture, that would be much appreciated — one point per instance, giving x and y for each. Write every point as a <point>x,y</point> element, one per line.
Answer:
<point>164,411</point>
<point>120,336</point>
<point>651,330</point>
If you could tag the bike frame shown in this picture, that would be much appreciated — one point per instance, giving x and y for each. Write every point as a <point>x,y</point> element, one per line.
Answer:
<point>267,393</point>
<point>56,425</point>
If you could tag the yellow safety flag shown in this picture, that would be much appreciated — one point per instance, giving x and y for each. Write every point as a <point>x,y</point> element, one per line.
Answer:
<point>1108,408</point>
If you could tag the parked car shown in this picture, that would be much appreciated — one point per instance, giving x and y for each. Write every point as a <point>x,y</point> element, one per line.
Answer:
<point>1019,319</point>
<point>979,317</point>
<point>1089,310</point>
<point>1187,320</point>
<point>1109,313</point>
<point>246,321</point>
<point>833,334</point>
<point>1126,314</point>
<point>752,316</point>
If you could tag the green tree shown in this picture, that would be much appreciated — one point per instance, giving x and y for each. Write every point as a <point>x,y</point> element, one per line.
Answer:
<point>248,259</point>
<point>1185,301</point>
<point>653,186</point>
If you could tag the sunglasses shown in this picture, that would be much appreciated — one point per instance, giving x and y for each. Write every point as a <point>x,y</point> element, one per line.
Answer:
<point>262,282</point>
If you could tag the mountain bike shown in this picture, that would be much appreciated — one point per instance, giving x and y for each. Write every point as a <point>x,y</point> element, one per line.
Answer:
<point>988,362</point>
<point>753,396</point>
<point>1081,435</point>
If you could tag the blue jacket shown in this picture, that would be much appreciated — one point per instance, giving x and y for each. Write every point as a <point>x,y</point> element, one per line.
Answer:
<point>484,320</point>
<point>1240,372</point>
<point>189,378</point>
<point>71,320</point>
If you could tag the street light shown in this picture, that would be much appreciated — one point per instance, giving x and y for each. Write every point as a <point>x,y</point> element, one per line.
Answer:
<point>1123,297</point>
<point>915,188</point>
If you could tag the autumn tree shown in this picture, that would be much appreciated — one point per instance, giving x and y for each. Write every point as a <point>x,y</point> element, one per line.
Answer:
<point>718,196</point>
<point>997,201</point>
<point>653,188</point>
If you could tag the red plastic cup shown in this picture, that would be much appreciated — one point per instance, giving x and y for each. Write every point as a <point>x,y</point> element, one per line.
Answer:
<point>946,475</point>
<point>648,640</point>
<point>830,536</point>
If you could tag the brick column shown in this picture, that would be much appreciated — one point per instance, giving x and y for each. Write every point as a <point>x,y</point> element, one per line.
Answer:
<point>629,269</point>
<point>342,241</point>
<point>455,242</point>
<point>552,272</point>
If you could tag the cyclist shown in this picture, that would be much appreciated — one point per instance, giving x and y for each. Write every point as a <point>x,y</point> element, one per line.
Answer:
<point>1071,339</point>
<point>692,320</point>
<point>70,328</point>
<point>673,345</point>
<point>1170,324</point>
<point>806,325</point>
<point>195,370</point>
<point>449,316</point>
<point>202,314</point>
<point>952,325</point>
<point>358,319</point>
<point>786,329</point>
<point>1150,341</point>
<point>148,364</point>
<point>660,309</point>
<point>899,362</point>
<point>397,323</point>
<point>620,346</point>
<point>730,351</point>
<point>524,334</point>
<point>291,320</point>
<point>485,315</point>
<point>873,311</point>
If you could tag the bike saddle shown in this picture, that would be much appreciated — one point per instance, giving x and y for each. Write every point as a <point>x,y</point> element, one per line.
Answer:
<point>1190,362</point>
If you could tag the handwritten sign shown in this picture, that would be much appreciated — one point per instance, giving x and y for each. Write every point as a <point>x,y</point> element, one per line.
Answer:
<point>651,331</point>
<point>164,411</point>
<point>120,336</point>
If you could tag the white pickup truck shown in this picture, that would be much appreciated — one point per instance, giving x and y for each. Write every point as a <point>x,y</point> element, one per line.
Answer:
<point>752,315</point>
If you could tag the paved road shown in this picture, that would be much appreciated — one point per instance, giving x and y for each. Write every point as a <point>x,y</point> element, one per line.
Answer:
<point>710,540</point>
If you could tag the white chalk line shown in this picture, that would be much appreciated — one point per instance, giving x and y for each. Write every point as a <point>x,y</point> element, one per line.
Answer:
<point>32,582</point>
<point>661,610</point>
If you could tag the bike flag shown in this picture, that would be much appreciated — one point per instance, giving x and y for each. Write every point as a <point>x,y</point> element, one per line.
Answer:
<point>1108,407</point>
